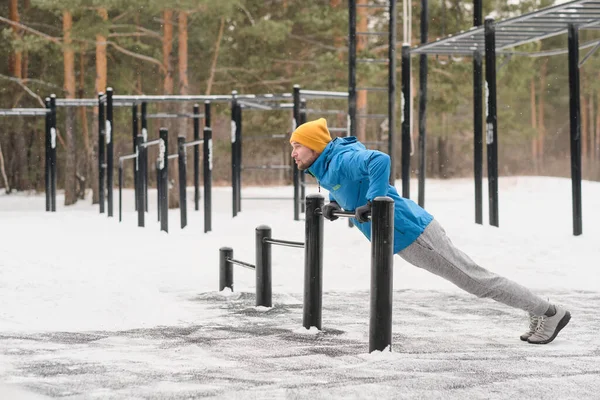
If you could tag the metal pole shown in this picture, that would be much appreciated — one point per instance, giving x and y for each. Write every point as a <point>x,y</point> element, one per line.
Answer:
<point>491,118</point>
<point>196,158</point>
<point>478,118</point>
<point>109,149</point>
<point>575,127</point>
<point>423,104</point>
<point>207,168</point>
<point>405,121</point>
<point>134,131</point>
<point>225,268</point>
<point>182,180</point>
<point>392,89</point>
<point>296,176</point>
<point>53,140</point>
<point>238,165</point>
<point>263,266</point>
<point>164,180</point>
<point>234,183</point>
<point>382,263</point>
<point>101,154</point>
<point>313,262</point>
<point>352,67</point>
<point>158,189</point>
<point>144,154</point>
<point>47,155</point>
<point>139,170</point>
<point>302,183</point>
<point>120,189</point>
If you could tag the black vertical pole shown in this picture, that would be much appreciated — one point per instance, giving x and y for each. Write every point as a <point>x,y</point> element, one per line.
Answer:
<point>263,266</point>
<point>164,179</point>
<point>134,131</point>
<point>423,104</point>
<point>120,178</point>
<point>225,268</point>
<point>144,154</point>
<point>238,142</point>
<point>382,262</point>
<point>392,89</point>
<point>196,157</point>
<point>478,119</point>
<point>302,182</point>
<point>182,180</point>
<point>101,153</point>
<point>207,169</point>
<point>53,139</point>
<point>47,154</point>
<point>575,118</point>
<point>139,172</point>
<point>109,149</point>
<point>405,121</point>
<point>352,66</point>
<point>234,183</point>
<point>158,189</point>
<point>491,118</point>
<point>296,176</point>
<point>313,262</point>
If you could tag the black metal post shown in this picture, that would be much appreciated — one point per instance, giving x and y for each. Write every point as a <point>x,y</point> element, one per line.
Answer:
<point>53,140</point>
<point>382,263</point>
<point>109,149</point>
<point>182,180</point>
<point>139,170</point>
<point>352,66</point>
<point>302,175</point>
<point>144,154</point>
<point>423,104</point>
<point>575,127</point>
<point>196,157</point>
<point>478,118</point>
<point>313,262</point>
<point>234,160</point>
<point>238,168</point>
<point>263,266</point>
<point>406,121</point>
<point>225,268</point>
<point>134,131</point>
<point>491,118</point>
<point>164,179</point>
<point>296,176</point>
<point>392,89</point>
<point>158,189</point>
<point>101,154</point>
<point>207,168</point>
<point>120,189</point>
<point>47,155</point>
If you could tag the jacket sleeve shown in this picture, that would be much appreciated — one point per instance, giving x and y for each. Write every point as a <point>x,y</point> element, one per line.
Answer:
<point>371,164</point>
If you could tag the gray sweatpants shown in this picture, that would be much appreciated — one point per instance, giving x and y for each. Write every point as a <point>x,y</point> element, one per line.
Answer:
<point>434,252</point>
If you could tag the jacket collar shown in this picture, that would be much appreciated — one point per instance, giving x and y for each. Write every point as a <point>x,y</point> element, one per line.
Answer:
<point>319,166</point>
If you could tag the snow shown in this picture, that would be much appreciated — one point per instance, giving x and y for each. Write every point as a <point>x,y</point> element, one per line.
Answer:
<point>94,308</point>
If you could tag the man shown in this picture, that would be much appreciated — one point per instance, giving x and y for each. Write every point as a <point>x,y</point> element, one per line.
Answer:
<point>354,176</point>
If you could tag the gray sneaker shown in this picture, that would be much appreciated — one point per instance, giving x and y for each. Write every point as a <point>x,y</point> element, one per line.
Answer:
<point>549,327</point>
<point>534,321</point>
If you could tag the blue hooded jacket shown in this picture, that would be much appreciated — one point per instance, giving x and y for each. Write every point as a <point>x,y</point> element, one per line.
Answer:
<point>354,175</point>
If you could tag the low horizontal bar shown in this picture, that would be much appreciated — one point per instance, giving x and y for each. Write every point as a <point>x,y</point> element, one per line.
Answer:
<point>325,112</point>
<point>151,143</point>
<point>255,106</point>
<point>366,116</point>
<point>372,60</point>
<point>158,99</point>
<point>286,243</point>
<point>172,156</point>
<point>278,167</point>
<point>167,115</point>
<point>25,112</point>
<point>323,94</point>
<point>265,97</point>
<point>372,33</point>
<point>194,143</point>
<point>76,102</point>
<point>373,89</point>
<point>241,263</point>
<point>346,214</point>
<point>128,157</point>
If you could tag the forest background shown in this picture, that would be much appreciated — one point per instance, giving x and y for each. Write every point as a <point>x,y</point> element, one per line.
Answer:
<point>77,48</point>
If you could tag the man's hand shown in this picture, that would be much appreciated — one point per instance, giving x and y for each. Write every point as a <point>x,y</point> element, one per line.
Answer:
<point>362,213</point>
<point>328,210</point>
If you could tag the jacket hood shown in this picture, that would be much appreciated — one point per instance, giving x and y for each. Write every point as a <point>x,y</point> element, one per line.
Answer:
<point>338,145</point>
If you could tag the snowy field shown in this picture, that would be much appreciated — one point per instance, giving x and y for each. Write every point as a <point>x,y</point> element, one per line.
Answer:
<point>91,308</point>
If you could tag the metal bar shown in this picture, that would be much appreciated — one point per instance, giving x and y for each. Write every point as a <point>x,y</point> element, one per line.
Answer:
<point>372,60</point>
<point>316,94</point>
<point>267,167</point>
<point>256,106</point>
<point>287,243</point>
<point>24,112</point>
<point>109,149</point>
<point>491,120</point>
<point>242,264</point>
<point>352,67</point>
<point>120,190</point>
<point>164,181</point>
<point>157,99</point>
<point>144,153</point>
<point>372,33</point>
<point>134,132</point>
<point>101,153</point>
<point>48,125</point>
<point>207,169</point>
<point>263,267</point>
<point>77,102</point>
<point>423,105</point>
<point>152,143</point>
<point>313,262</point>
<point>196,123</point>
<point>53,141</point>
<point>268,198</point>
<point>392,89</point>
<point>295,170</point>
<point>139,190</point>
<point>238,165</point>
<point>406,141</point>
<point>172,115</point>
<point>193,143</point>
<point>172,156</point>
<point>234,158</point>
<point>324,112</point>
<point>478,135</point>
<point>575,128</point>
<point>128,157</point>
<point>182,166</point>
<point>302,196</point>
<point>225,268</point>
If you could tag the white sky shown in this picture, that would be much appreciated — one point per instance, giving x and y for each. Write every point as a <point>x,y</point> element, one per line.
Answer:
<point>90,308</point>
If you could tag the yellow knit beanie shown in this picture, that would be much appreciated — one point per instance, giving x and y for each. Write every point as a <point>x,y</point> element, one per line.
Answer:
<point>313,134</point>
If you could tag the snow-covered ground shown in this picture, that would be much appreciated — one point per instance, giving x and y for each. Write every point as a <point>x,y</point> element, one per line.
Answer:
<point>94,308</point>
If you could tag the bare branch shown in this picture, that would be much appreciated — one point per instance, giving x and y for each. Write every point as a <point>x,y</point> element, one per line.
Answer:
<point>31,30</point>
<point>317,43</point>
<point>149,32</point>
<point>29,91</point>
<point>137,55</point>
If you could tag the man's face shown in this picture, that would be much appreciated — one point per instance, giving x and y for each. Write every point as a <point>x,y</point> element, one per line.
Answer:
<point>303,156</point>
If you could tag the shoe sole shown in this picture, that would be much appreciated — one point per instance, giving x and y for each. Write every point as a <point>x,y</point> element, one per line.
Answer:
<point>562,323</point>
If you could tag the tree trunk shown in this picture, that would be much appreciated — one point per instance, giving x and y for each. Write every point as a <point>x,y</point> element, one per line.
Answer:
<point>362,19</point>
<point>213,65</point>
<point>167,47</point>
<point>182,63</point>
<point>534,139</point>
<point>88,159</point>
<point>15,60</point>
<point>100,86</point>
<point>584,128</point>
<point>69,86</point>
<point>541,114</point>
